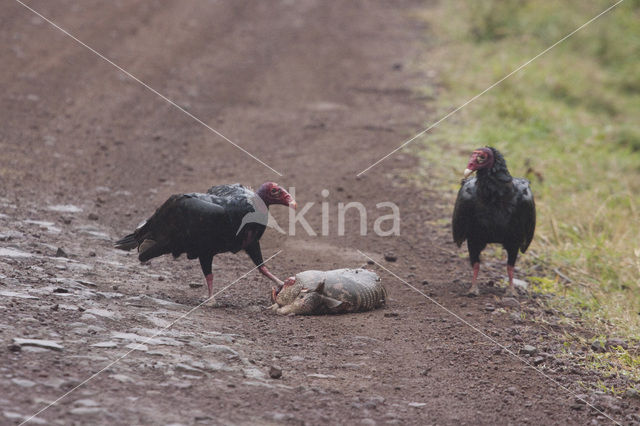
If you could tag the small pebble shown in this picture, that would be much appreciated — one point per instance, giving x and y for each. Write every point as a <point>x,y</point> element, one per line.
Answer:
<point>390,257</point>
<point>92,216</point>
<point>275,372</point>
<point>528,350</point>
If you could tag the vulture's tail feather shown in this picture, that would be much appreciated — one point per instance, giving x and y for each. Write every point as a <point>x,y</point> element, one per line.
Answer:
<point>149,249</point>
<point>127,243</point>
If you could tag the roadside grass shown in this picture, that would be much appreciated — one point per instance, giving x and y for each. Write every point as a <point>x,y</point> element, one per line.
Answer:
<point>616,361</point>
<point>569,122</point>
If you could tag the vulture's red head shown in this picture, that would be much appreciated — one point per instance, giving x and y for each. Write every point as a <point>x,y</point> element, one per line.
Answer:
<point>272,193</point>
<point>481,158</point>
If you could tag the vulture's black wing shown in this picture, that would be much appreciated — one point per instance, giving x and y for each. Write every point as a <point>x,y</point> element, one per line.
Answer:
<point>228,190</point>
<point>463,211</point>
<point>190,223</point>
<point>199,219</point>
<point>197,209</point>
<point>525,212</point>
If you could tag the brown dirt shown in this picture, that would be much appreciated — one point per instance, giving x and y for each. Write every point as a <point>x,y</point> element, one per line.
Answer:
<point>318,90</point>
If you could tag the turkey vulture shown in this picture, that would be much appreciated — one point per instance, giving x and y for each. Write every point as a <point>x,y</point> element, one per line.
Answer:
<point>228,218</point>
<point>493,207</point>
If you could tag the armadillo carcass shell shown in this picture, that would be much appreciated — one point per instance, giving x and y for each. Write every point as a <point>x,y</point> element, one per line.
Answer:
<point>358,289</point>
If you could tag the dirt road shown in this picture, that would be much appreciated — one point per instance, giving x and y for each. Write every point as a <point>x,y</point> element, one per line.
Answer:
<point>317,90</point>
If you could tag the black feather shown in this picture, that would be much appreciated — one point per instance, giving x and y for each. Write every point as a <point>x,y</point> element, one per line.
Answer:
<point>127,243</point>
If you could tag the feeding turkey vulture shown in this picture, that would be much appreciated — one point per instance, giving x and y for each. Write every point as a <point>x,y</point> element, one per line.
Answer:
<point>493,207</point>
<point>228,218</point>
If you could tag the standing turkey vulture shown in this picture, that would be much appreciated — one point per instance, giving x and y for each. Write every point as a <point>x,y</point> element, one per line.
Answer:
<point>228,218</point>
<point>493,207</point>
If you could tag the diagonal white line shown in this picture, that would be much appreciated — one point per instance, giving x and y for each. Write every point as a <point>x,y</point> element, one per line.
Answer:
<point>151,89</point>
<point>94,375</point>
<point>467,323</point>
<point>490,87</point>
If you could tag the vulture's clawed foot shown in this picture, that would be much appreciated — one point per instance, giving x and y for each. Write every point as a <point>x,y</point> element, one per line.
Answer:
<point>473,291</point>
<point>211,302</point>
<point>511,292</point>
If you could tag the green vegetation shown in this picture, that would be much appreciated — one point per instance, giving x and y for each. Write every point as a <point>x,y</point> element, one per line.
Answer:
<point>615,362</point>
<point>569,121</point>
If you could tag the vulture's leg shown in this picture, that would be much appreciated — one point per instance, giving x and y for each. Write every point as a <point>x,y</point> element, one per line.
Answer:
<point>512,254</point>
<point>207,269</point>
<point>264,271</point>
<point>474,290</point>
<point>254,252</point>
<point>474,256</point>
<point>209,278</point>
<point>511,290</point>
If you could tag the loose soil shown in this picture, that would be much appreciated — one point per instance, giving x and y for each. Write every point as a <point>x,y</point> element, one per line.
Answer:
<point>317,90</point>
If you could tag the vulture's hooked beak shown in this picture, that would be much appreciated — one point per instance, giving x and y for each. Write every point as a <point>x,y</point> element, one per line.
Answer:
<point>293,204</point>
<point>467,173</point>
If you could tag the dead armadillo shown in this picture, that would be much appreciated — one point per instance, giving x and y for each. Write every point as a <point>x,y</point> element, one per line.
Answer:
<point>330,292</point>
